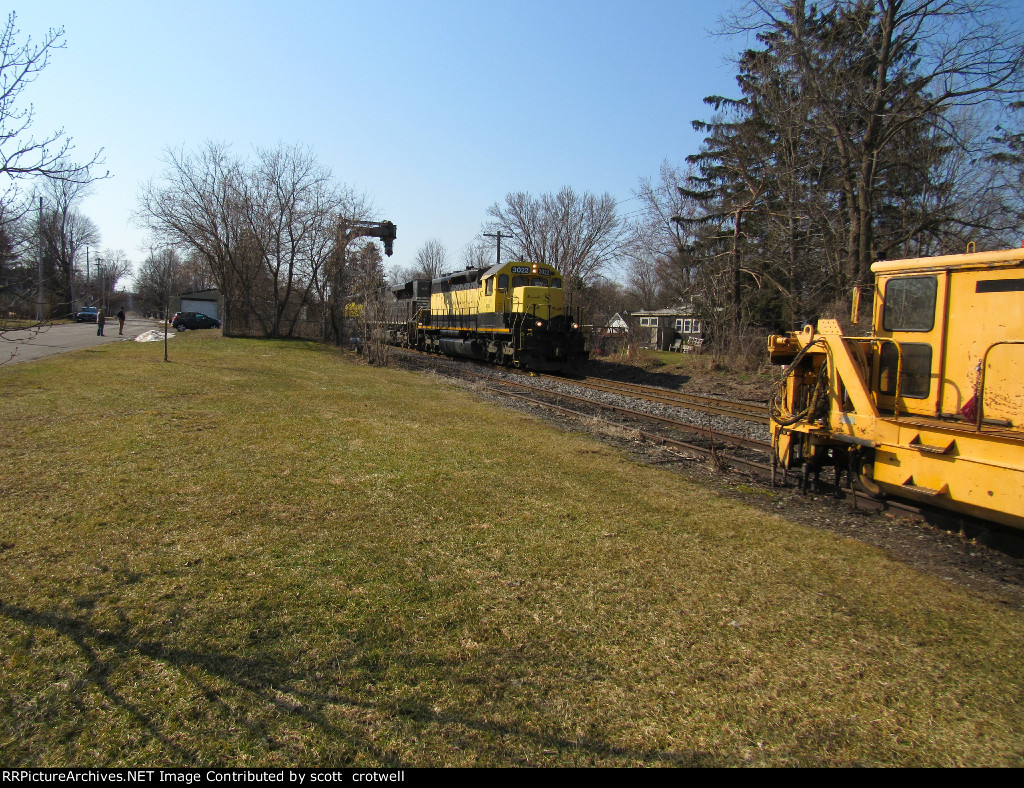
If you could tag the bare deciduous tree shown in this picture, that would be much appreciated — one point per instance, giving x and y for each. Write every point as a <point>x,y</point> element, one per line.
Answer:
<point>66,235</point>
<point>291,210</point>
<point>656,270</point>
<point>116,267</point>
<point>22,155</point>
<point>478,254</point>
<point>577,234</point>
<point>197,205</point>
<point>161,275</point>
<point>271,231</point>
<point>430,260</point>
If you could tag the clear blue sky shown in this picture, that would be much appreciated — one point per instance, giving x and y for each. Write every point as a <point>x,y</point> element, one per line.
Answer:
<point>434,109</point>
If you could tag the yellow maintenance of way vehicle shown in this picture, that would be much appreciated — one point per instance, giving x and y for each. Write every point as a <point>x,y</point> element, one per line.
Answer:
<point>930,405</point>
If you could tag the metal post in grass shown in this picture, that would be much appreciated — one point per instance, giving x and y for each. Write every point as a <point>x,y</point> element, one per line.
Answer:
<point>167,305</point>
<point>41,295</point>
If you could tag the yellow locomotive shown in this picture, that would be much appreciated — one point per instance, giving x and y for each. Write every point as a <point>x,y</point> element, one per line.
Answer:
<point>512,314</point>
<point>930,405</point>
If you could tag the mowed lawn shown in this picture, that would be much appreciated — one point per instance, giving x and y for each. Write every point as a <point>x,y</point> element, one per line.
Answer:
<point>264,554</point>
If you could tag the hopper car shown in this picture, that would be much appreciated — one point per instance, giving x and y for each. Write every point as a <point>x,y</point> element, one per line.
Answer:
<point>929,404</point>
<point>513,314</point>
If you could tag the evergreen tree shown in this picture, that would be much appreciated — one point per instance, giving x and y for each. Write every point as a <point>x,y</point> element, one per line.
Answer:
<point>843,148</point>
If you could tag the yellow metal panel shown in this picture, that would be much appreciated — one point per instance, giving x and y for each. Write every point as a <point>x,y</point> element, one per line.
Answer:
<point>1009,256</point>
<point>982,319</point>
<point>981,476</point>
<point>548,301</point>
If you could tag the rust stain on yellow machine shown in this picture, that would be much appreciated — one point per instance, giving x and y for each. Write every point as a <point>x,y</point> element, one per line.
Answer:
<point>930,404</point>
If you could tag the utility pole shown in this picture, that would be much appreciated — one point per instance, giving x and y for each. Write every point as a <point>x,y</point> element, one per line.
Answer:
<point>165,281</point>
<point>103,291</point>
<point>499,235</point>
<point>41,297</point>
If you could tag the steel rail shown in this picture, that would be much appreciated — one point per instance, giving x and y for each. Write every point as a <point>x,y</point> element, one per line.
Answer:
<point>1009,540</point>
<point>649,437</point>
<point>723,437</point>
<point>851,497</point>
<point>738,410</point>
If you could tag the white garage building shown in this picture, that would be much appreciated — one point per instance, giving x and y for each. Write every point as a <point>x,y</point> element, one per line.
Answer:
<point>205,301</point>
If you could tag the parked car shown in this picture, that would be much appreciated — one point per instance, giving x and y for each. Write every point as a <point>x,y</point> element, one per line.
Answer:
<point>183,320</point>
<point>87,314</point>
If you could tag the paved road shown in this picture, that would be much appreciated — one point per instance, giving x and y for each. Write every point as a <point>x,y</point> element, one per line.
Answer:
<point>18,346</point>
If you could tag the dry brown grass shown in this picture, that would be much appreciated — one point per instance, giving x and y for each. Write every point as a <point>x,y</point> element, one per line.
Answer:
<point>259,555</point>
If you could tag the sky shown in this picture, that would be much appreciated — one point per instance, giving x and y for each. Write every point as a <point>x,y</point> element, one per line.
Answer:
<point>435,110</point>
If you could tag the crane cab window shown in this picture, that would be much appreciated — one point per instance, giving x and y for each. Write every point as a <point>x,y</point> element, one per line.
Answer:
<point>917,369</point>
<point>910,303</point>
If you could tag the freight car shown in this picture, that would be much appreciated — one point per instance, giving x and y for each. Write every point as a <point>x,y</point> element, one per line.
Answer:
<point>512,314</point>
<point>929,405</point>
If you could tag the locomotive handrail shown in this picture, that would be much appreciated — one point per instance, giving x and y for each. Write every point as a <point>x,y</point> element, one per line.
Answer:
<point>898,391</point>
<point>899,375</point>
<point>979,415</point>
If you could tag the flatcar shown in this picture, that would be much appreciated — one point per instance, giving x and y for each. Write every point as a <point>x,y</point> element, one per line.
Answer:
<point>512,314</point>
<point>928,406</point>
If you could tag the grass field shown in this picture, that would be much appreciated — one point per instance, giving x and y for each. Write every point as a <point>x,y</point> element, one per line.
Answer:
<point>262,554</point>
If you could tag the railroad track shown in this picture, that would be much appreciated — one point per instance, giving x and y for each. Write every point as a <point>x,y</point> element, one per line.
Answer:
<point>723,438</point>
<point>756,412</point>
<point>711,447</point>
<point>738,409</point>
<point>659,439</point>
<point>725,450</point>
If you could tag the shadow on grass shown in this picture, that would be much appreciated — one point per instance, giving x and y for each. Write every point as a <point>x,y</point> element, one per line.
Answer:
<point>628,373</point>
<point>266,678</point>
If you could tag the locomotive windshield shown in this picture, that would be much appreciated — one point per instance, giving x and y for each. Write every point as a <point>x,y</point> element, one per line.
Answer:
<point>536,281</point>
<point>910,304</point>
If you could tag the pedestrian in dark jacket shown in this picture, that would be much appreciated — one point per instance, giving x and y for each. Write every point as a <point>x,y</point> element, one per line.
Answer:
<point>100,320</point>
<point>120,321</point>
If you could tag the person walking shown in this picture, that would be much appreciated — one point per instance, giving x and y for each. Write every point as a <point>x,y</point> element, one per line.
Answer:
<point>100,320</point>
<point>120,320</point>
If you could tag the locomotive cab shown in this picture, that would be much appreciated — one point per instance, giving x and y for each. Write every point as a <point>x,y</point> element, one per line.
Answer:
<point>522,288</point>
<point>951,335</point>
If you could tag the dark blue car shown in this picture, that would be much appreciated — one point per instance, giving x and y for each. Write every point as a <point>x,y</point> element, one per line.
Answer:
<point>183,320</point>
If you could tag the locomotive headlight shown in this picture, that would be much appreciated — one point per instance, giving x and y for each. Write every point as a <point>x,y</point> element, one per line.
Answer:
<point>540,324</point>
<point>575,326</point>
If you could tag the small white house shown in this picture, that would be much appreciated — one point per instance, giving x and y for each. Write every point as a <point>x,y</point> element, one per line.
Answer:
<point>676,328</point>
<point>618,324</point>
